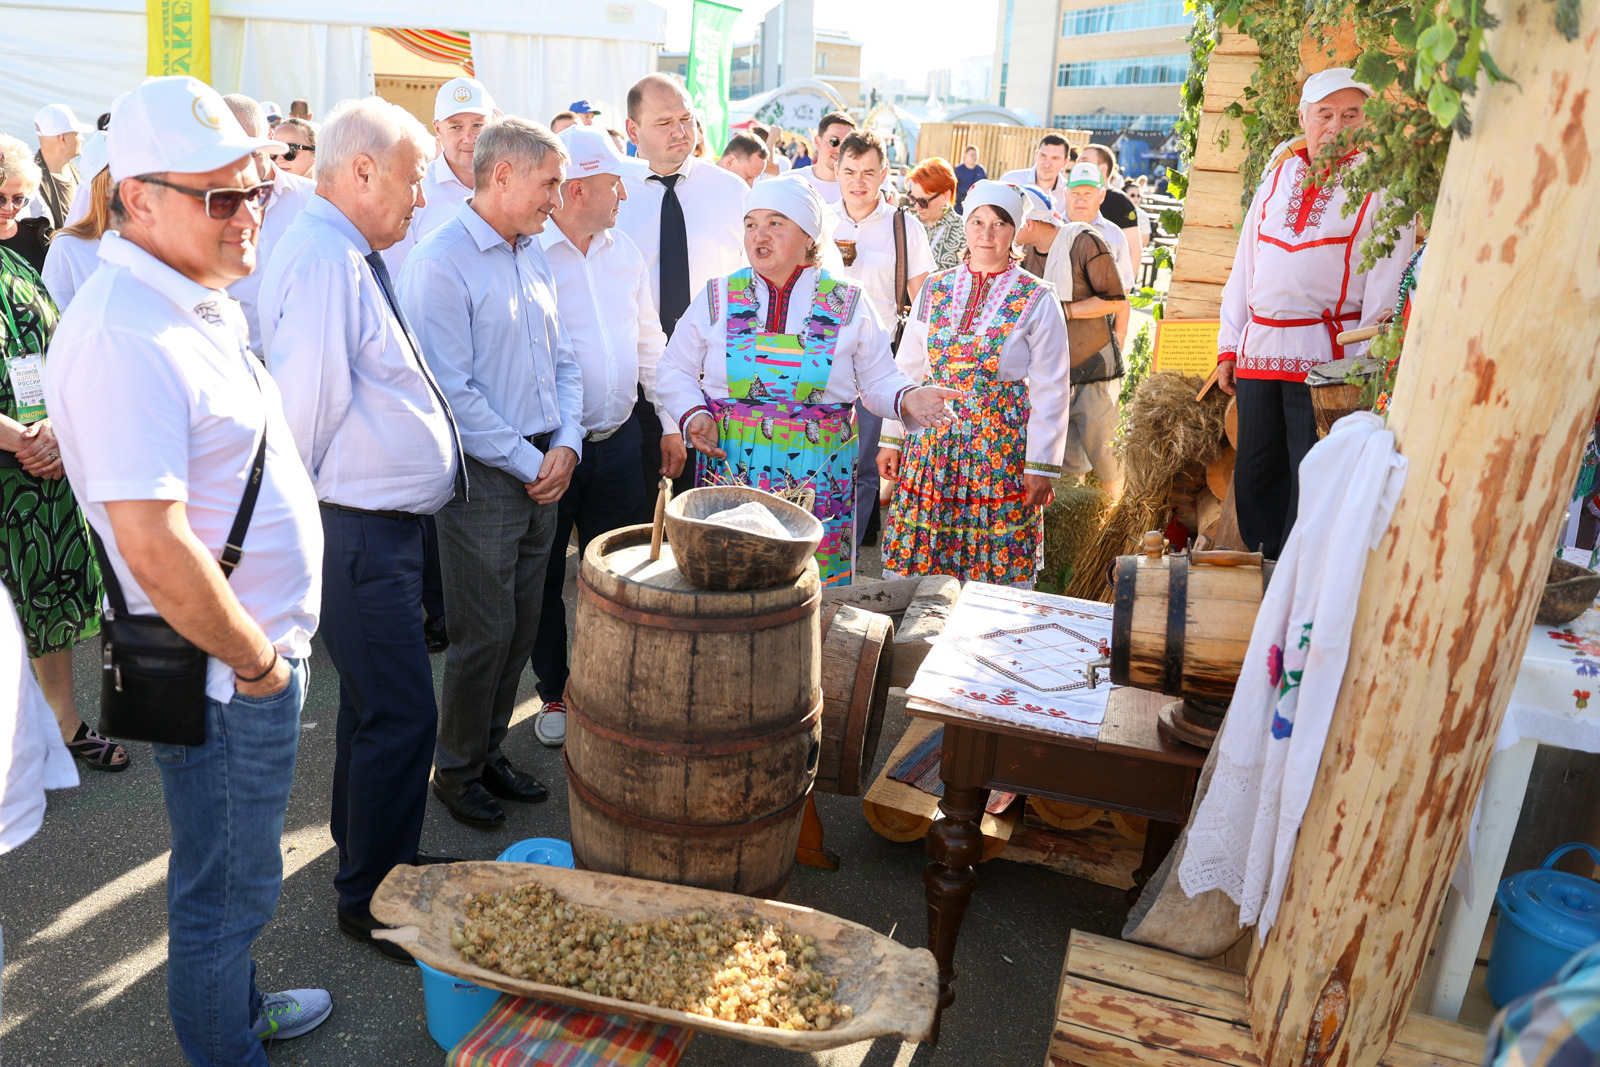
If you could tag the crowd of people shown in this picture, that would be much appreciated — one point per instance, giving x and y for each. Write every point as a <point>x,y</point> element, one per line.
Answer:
<point>269,377</point>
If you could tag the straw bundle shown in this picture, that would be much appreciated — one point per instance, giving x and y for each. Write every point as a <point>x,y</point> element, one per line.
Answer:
<point>1070,525</point>
<point>1164,431</point>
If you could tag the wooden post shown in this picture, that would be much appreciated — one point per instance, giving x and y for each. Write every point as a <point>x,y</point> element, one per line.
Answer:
<point>1497,390</point>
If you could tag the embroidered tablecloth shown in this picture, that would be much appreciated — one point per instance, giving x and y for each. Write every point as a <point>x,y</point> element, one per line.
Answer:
<point>1018,656</point>
<point>1556,699</point>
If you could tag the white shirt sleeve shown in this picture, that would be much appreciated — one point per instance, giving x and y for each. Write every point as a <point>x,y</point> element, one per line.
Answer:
<point>1049,385</point>
<point>652,343</point>
<point>569,391</point>
<point>313,330</point>
<point>682,364</point>
<point>1379,288</point>
<point>878,380</point>
<point>438,306</point>
<point>912,359</point>
<point>57,274</point>
<point>1235,312</point>
<point>919,254</point>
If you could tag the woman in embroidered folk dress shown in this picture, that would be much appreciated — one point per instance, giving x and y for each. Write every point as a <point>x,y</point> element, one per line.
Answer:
<point>971,495</point>
<point>763,370</point>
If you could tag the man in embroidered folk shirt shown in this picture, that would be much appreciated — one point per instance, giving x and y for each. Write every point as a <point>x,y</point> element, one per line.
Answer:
<point>1296,285</point>
<point>865,234</point>
<point>603,298</point>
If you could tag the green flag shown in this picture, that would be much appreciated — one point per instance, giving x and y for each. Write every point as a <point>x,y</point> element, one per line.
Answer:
<point>710,60</point>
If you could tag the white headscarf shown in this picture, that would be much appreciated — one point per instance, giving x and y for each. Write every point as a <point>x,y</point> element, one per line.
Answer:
<point>793,198</point>
<point>1002,195</point>
<point>1040,207</point>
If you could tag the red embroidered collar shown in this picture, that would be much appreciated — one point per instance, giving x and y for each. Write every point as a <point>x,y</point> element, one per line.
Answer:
<point>778,304</point>
<point>1307,202</point>
<point>981,284</point>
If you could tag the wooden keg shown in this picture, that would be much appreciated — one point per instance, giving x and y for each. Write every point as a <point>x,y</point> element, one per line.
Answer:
<point>1181,623</point>
<point>856,650</point>
<point>694,721</point>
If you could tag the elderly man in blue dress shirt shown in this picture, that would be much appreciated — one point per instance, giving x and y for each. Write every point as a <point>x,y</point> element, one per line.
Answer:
<point>483,300</point>
<point>378,437</point>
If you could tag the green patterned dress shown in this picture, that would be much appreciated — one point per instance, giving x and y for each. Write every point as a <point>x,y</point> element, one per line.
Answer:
<point>46,561</point>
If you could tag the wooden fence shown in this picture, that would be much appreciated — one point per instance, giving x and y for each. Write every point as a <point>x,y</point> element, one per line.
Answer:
<point>1000,148</point>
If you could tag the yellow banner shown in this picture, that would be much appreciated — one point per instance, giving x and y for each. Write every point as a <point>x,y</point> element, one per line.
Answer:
<point>1188,347</point>
<point>179,37</point>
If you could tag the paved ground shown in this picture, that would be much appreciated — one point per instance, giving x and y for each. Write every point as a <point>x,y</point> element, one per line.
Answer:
<point>82,906</point>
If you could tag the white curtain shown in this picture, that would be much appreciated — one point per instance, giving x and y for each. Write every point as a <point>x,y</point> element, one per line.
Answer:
<point>282,61</point>
<point>536,77</point>
<point>78,58</point>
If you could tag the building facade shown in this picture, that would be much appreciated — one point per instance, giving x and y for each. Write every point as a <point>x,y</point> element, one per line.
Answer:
<point>1088,64</point>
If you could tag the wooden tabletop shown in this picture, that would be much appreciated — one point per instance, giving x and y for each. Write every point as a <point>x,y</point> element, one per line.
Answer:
<point>1129,728</point>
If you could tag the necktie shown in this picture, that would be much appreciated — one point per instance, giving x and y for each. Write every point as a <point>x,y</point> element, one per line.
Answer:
<point>674,255</point>
<point>380,270</point>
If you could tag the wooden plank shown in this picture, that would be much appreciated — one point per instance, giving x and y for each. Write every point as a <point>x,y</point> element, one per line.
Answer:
<point>1450,592</point>
<point>924,620</point>
<point>902,812</point>
<point>1205,253</point>
<point>1226,79</point>
<point>1095,853</point>
<point>1214,206</point>
<point>1124,1005</point>
<point>1130,726</point>
<point>1194,300</point>
<point>1234,43</point>
<point>1214,152</point>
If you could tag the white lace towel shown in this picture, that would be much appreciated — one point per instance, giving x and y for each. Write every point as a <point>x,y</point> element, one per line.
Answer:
<point>1242,837</point>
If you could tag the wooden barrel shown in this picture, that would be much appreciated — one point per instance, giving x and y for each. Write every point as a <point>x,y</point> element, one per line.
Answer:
<point>856,647</point>
<point>694,721</point>
<point>1180,624</point>
<point>1336,389</point>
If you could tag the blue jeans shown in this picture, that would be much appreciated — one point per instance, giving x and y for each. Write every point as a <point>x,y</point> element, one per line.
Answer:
<point>226,801</point>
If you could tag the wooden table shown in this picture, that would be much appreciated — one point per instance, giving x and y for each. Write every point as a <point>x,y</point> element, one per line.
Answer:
<point>1129,767</point>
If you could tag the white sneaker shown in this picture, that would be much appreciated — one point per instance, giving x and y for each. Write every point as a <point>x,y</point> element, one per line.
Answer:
<point>292,1013</point>
<point>550,725</point>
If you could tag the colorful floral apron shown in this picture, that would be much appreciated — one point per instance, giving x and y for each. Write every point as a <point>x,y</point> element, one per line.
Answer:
<point>958,508</point>
<point>776,439</point>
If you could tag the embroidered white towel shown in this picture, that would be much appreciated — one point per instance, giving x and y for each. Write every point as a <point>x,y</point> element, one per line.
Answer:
<point>1242,837</point>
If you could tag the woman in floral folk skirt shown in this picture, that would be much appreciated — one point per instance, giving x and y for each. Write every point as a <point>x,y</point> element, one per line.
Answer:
<point>971,494</point>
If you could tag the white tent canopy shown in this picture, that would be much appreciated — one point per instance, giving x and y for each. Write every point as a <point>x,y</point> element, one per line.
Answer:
<point>534,58</point>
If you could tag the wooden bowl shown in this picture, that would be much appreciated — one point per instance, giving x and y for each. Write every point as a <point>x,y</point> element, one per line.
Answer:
<point>1568,593</point>
<point>713,556</point>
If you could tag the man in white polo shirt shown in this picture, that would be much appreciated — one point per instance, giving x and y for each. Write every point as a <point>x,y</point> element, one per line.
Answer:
<point>867,238</point>
<point>603,292</point>
<point>823,173</point>
<point>161,411</point>
<point>461,107</point>
<point>687,218</point>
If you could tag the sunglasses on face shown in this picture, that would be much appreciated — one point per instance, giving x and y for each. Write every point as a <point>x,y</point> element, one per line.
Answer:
<point>923,201</point>
<point>220,203</point>
<point>295,150</point>
<point>15,201</point>
<point>833,142</point>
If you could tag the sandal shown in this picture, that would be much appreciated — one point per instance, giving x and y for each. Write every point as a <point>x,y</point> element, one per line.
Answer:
<point>96,752</point>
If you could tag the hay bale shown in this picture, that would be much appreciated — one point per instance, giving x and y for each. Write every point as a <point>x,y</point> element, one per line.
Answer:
<point>1165,430</point>
<point>1071,523</point>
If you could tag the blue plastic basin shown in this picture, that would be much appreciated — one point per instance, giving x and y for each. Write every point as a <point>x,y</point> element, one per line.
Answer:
<point>455,1006</point>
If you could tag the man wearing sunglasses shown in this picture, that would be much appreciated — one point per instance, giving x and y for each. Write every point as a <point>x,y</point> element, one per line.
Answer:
<point>286,195</point>
<point>823,173</point>
<point>159,409</point>
<point>301,137</point>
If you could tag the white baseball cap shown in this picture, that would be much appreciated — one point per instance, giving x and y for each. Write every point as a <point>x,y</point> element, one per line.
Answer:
<point>271,109</point>
<point>1040,207</point>
<point>55,119</point>
<point>594,152</point>
<point>92,160</point>
<point>1086,173</point>
<point>1325,83</point>
<point>460,95</point>
<point>176,124</point>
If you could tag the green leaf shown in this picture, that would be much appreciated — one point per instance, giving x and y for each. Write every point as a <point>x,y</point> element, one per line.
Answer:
<point>1444,102</point>
<point>1376,69</point>
<point>1405,31</point>
<point>1468,67</point>
<point>1172,221</point>
<point>1491,68</point>
<point>1567,17</point>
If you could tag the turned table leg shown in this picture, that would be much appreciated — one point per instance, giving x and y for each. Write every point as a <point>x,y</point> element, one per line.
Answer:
<point>955,845</point>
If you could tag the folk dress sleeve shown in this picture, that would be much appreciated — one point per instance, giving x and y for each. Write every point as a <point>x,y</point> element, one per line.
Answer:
<point>1044,331</point>
<point>912,359</point>
<point>678,390</point>
<point>879,381</point>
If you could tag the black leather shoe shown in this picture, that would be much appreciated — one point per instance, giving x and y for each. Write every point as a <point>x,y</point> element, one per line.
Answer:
<point>435,634</point>
<point>424,859</point>
<point>360,927</point>
<point>508,783</point>
<point>470,804</point>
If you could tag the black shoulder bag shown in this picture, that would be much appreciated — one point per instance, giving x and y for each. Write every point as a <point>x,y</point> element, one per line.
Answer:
<point>152,678</point>
<point>902,299</point>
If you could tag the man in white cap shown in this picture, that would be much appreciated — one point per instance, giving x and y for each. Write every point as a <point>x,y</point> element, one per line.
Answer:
<point>1296,284</point>
<point>603,289</point>
<point>60,140</point>
<point>1080,266</point>
<point>273,112</point>
<point>483,302</point>
<point>378,437</point>
<point>883,245</point>
<point>164,418</point>
<point>461,108</point>
<point>687,218</point>
<point>290,193</point>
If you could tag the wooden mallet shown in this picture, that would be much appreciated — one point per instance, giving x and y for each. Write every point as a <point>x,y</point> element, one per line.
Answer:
<point>660,524</point>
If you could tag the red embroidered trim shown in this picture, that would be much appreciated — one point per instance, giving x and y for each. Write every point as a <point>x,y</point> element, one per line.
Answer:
<point>980,289</point>
<point>778,305</point>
